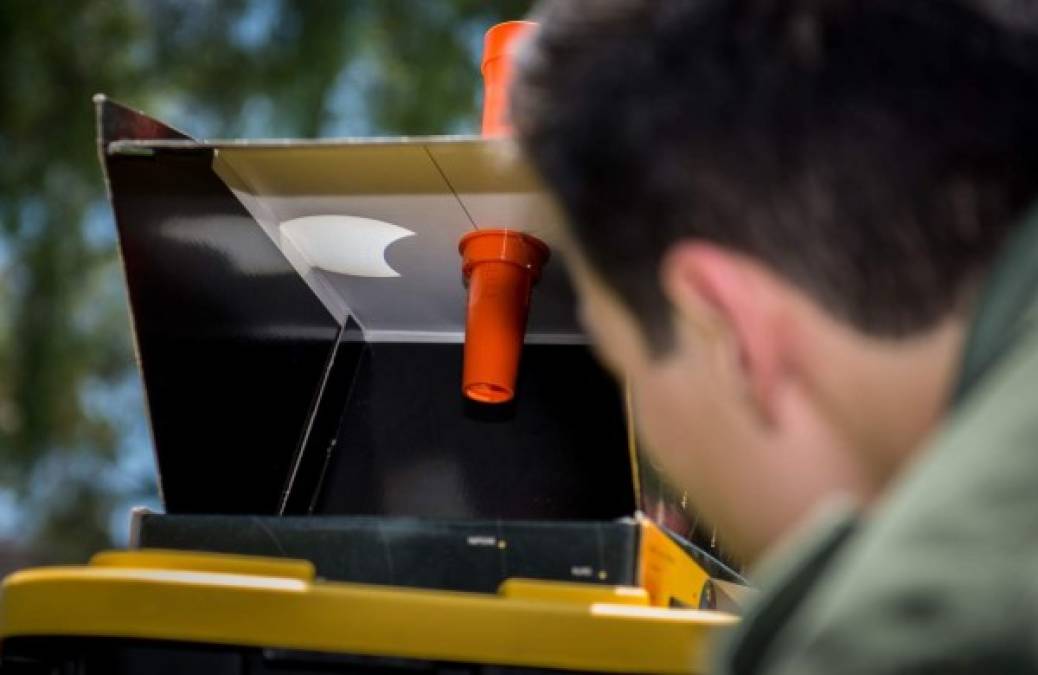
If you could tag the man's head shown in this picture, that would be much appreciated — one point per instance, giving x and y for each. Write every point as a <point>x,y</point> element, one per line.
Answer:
<point>780,212</point>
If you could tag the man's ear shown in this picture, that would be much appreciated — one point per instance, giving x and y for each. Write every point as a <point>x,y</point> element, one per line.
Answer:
<point>739,294</point>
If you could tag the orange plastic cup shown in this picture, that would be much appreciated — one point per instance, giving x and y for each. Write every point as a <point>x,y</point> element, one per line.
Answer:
<point>500,268</point>
<point>498,48</point>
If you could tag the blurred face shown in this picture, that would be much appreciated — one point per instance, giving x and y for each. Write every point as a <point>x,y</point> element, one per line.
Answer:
<point>752,473</point>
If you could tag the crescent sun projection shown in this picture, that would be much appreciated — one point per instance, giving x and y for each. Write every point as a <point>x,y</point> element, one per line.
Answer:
<point>348,245</point>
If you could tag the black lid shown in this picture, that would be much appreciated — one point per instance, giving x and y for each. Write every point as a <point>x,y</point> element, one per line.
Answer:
<point>293,375</point>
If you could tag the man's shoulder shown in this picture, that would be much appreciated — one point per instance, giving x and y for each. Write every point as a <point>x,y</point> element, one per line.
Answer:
<point>943,574</point>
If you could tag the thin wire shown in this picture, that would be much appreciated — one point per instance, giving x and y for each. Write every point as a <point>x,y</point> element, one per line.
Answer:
<point>453,191</point>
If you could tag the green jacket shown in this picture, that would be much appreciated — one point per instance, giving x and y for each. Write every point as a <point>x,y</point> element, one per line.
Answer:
<point>942,576</point>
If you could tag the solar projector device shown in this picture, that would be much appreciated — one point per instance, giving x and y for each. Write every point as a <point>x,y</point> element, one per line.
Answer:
<point>359,361</point>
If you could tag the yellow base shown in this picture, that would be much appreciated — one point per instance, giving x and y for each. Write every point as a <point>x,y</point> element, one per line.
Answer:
<point>252,601</point>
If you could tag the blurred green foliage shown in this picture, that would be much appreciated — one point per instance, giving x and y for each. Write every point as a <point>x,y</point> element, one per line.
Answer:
<point>74,449</point>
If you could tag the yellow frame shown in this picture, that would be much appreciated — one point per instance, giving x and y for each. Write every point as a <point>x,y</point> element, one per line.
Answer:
<point>263,602</point>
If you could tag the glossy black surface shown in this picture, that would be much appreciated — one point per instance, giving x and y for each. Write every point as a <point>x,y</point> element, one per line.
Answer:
<point>410,444</point>
<point>232,343</point>
<point>260,404</point>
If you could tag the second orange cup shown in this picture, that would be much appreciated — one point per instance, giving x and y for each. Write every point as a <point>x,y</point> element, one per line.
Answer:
<point>500,268</point>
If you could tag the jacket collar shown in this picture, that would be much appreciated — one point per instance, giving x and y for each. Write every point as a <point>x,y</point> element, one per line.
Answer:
<point>1006,308</point>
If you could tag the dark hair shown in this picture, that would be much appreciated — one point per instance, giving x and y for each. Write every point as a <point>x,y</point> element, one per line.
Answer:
<point>873,152</point>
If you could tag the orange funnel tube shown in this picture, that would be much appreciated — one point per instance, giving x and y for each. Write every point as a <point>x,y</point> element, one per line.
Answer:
<point>498,48</point>
<point>500,268</point>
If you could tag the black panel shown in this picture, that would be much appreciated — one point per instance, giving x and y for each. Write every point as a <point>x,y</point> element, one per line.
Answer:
<point>232,343</point>
<point>259,405</point>
<point>411,445</point>
<point>458,555</point>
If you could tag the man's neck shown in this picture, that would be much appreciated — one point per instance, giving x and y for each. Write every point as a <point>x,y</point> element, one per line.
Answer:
<point>888,396</point>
